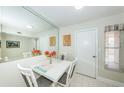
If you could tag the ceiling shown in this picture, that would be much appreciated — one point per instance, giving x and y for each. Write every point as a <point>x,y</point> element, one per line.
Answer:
<point>68,15</point>
<point>16,19</point>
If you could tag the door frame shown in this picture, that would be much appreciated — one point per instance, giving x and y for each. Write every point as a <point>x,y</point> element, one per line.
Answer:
<point>84,30</point>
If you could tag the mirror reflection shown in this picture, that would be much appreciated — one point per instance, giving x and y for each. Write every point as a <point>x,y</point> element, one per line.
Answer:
<point>25,34</point>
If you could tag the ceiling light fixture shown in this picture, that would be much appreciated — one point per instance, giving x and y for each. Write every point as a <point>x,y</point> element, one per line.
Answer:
<point>29,26</point>
<point>78,7</point>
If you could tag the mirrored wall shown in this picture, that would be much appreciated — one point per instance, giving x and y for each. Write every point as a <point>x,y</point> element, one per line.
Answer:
<point>23,31</point>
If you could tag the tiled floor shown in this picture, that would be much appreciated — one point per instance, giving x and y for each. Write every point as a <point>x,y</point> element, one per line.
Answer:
<point>85,81</point>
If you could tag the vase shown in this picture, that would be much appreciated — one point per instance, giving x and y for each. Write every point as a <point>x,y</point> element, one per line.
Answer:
<point>50,60</point>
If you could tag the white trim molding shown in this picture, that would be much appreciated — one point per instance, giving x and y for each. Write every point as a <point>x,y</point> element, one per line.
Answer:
<point>109,81</point>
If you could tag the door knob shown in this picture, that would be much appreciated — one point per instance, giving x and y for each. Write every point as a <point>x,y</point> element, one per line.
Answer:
<point>94,56</point>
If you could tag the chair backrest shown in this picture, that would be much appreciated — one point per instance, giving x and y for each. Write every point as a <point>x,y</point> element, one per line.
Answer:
<point>24,54</point>
<point>27,54</point>
<point>71,70</point>
<point>6,58</point>
<point>29,76</point>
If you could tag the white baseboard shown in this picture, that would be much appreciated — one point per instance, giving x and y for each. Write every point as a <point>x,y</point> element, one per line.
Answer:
<point>109,81</point>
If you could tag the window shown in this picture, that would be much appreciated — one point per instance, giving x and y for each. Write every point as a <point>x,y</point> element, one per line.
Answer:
<point>112,47</point>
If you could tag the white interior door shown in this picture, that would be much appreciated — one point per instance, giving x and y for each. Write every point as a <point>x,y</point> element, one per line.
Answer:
<point>86,52</point>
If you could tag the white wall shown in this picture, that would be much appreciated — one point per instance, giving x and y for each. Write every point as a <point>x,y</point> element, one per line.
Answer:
<point>43,42</point>
<point>99,24</point>
<point>0,40</point>
<point>26,45</point>
<point>0,35</point>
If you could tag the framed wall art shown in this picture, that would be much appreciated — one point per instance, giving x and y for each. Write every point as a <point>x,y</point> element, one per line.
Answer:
<point>12,44</point>
<point>67,40</point>
<point>52,40</point>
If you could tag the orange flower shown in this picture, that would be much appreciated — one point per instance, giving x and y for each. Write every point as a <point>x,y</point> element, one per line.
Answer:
<point>50,54</point>
<point>53,53</point>
<point>46,52</point>
<point>36,52</point>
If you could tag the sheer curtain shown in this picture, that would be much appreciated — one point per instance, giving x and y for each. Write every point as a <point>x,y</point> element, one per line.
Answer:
<point>113,45</point>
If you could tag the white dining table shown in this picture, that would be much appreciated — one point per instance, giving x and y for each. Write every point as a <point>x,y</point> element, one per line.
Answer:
<point>52,71</point>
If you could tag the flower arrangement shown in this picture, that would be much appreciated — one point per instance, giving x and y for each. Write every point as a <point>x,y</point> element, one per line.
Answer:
<point>50,55</point>
<point>36,52</point>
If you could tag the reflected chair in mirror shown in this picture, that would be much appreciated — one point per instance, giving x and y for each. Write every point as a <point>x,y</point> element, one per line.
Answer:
<point>31,80</point>
<point>29,54</point>
<point>6,58</point>
<point>26,54</point>
<point>65,80</point>
<point>0,59</point>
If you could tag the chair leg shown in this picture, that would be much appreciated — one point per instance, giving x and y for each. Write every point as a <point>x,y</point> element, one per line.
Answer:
<point>54,84</point>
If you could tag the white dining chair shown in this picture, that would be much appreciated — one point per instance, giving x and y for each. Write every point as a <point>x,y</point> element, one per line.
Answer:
<point>0,59</point>
<point>6,58</point>
<point>29,54</point>
<point>24,54</point>
<point>31,80</point>
<point>66,78</point>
